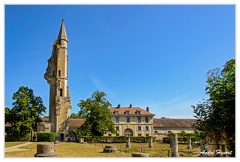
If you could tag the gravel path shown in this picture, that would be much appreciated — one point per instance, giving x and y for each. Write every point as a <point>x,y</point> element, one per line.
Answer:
<point>16,148</point>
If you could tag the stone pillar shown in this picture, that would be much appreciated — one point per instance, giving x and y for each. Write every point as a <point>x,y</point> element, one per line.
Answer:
<point>202,147</point>
<point>203,151</point>
<point>128,143</point>
<point>150,142</point>
<point>45,150</point>
<point>140,155</point>
<point>189,145</point>
<point>171,142</point>
<point>81,140</point>
<point>174,146</point>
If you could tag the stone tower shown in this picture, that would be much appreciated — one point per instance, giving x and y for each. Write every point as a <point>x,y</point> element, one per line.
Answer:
<point>57,78</point>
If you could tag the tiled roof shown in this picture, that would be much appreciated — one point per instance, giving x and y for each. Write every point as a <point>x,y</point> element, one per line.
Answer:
<point>173,123</point>
<point>133,111</point>
<point>45,119</point>
<point>75,123</point>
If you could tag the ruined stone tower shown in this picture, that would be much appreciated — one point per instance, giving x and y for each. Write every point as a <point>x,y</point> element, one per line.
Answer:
<point>57,78</point>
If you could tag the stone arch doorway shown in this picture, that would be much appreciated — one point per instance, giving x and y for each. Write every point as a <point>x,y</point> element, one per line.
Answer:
<point>128,132</point>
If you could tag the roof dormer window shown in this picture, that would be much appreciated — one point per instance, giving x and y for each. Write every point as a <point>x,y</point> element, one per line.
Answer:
<point>138,112</point>
<point>116,112</point>
<point>127,112</point>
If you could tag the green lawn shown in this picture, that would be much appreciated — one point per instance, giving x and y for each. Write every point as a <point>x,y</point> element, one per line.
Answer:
<point>10,144</point>
<point>67,149</point>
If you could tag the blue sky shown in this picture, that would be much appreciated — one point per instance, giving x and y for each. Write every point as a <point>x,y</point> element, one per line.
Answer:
<point>144,55</point>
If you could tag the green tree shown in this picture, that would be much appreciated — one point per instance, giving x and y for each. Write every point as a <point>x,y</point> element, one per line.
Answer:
<point>97,114</point>
<point>74,116</point>
<point>216,115</point>
<point>7,114</point>
<point>26,112</point>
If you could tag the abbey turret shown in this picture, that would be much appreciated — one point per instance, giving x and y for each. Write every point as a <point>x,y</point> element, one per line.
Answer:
<point>57,78</point>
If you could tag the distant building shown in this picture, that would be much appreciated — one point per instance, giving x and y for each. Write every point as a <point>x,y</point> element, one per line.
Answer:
<point>162,126</point>
<point>132,121</point>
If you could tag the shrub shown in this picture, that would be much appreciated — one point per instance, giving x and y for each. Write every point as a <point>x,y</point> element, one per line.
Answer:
<point>14,138</point>
<point>180,139</point>
<point>46,137</point>
<point>166,140</point>
<point>114,139</point>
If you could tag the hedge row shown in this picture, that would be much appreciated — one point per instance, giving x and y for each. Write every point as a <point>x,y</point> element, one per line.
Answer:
<point>14,138</point>
<point>46,137</point>
<point>180,139</point>
<point>114,139</point>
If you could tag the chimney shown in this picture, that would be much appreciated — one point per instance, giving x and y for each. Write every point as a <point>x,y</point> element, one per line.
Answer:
<point>118,106</point>
<point>147,109</point>
<point>130,106</point>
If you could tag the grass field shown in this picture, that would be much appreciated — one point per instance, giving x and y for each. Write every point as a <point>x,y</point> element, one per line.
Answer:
<point>67,149</point>
<point>10,144</point>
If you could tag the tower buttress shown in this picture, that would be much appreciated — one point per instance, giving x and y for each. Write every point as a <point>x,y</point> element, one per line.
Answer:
<point>57,78</point>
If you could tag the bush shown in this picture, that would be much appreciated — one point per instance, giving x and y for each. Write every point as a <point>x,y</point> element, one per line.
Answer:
<point>14,138</point>
<point>114,139</point>
<point>46,137</point>
<point>180,139</point>
<point>166,140</point>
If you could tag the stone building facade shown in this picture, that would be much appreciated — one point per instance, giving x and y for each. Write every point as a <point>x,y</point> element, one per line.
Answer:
<point>132,121</point>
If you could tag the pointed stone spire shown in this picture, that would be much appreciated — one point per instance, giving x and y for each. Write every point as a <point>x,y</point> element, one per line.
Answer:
<point>62,33</point>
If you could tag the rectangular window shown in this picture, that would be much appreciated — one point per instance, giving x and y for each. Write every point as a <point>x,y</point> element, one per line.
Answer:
<point>128,119</point>
<point>59,73</point>
<point>117,119</point>
<point>139,128</point>
<point>117,134</point>
<point>146,119</point>
<point>139,134</point>
<point>139,119</point>
<point>116,112</point>
<point>109,135</point>
<point>147,128</point>
<point>117,128</point>
<point>127,112</point>
<point>147,135</point>
<point>61,92</point>
<point>138,112</point>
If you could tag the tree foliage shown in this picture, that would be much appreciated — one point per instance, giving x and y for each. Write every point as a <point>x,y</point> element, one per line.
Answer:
<point>216,115</point>
<point>97,114</point>
<point>74,116</point>
<point>25,113</point>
